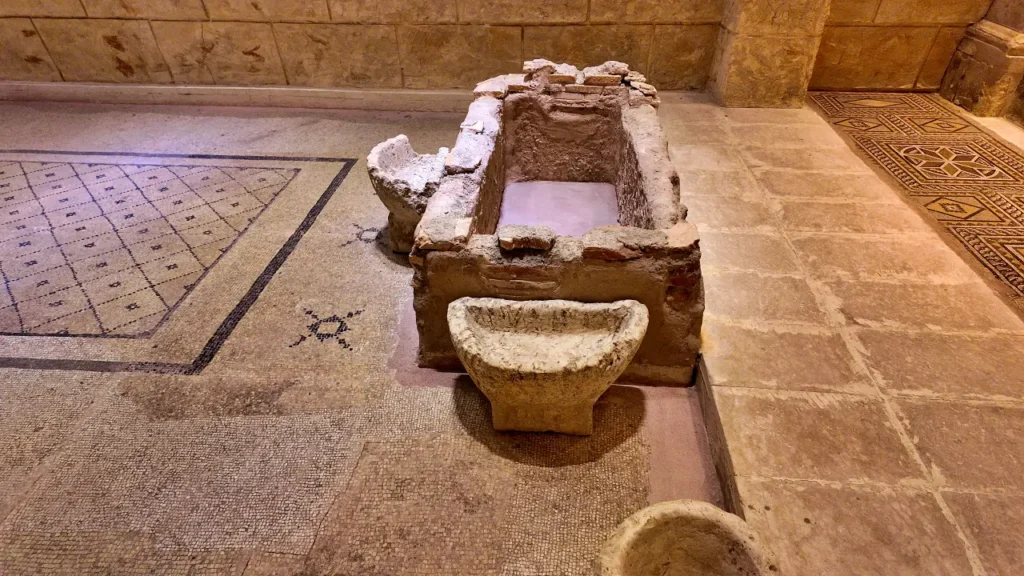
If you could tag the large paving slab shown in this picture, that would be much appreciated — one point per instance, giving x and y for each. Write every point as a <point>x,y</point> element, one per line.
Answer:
<point>863,369</point>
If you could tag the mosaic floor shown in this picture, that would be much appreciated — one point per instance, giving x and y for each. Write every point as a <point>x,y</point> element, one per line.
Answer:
<point>208,367</point>
<point>969,181</point>
<point>108,249</point>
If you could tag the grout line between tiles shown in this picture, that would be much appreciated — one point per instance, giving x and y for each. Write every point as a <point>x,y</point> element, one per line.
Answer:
<point>834,318</point>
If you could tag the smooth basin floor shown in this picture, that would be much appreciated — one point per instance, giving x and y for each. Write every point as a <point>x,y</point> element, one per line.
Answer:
<point>569,208</point>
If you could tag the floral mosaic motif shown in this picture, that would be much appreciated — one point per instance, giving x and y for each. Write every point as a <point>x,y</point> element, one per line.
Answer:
<point>328,329</point>
<point>970,182</point>
<point>363,235</point>
<point>863,125</point>
<point>950,162</point>
<point>943,125</point>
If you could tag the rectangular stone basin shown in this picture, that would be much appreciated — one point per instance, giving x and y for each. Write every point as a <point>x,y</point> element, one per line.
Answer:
<point>586,169</point>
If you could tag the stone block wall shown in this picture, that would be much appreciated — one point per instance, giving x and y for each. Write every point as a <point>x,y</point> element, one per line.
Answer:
<point>1009,13</point>
<point>440,44</point>
<point>430,44</point>
<point>892,44</point>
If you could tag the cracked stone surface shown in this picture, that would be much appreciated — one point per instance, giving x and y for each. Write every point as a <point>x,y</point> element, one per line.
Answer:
<point>404,181</point>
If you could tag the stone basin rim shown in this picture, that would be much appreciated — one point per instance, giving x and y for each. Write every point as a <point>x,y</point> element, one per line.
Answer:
<point>629,538</point>
<point>634,319</point>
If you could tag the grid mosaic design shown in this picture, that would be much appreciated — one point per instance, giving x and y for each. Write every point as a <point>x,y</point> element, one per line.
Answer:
<point>969,181</point>
<point>111,249</point>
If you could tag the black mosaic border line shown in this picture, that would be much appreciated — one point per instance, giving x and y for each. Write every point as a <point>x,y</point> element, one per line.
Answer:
<point>228,325</point>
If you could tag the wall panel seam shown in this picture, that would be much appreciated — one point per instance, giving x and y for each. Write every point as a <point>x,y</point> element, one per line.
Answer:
<point>47,48</point>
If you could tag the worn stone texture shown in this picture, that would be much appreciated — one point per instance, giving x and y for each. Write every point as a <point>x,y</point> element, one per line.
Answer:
<point>185,52</point>
<point>404,181</point>
<point>98,50</point>
<point>585,46</point>
<point>852,11</point>
<point>522,11</point>
<point>393,11</point>
<point>652,257</point>
<point>657,11</point>
<point>938,59</point>
<point>543,364</point>
<point>240,53</point>
<point>931,11</point>
<point>157,9</point>
<point>871,57</point>
<point>681,56</point>
<point>1009,13</point>
<point>520,237</point>
<point>22,53</point>
<point>980,366</point>
<point>329,55</point>
<point>776,18</point>
<point>51,8</point>
<point>685,537</point>
<point>232,53</point>
<point>992,522</point>
<point>780,434</point>
<point>269,10</point>
<point>457,56</point>
<point>761,71</point>
<point>821,528</point>
<point>813,360</point>
<point>986,70</point>
<point>975,447</point>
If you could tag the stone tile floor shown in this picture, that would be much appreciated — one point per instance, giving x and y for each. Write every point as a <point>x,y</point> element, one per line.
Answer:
<point>867,381</point>
<point>866,376</point>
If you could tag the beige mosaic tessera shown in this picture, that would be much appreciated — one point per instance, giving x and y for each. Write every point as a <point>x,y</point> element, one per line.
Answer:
<point>543,364</point>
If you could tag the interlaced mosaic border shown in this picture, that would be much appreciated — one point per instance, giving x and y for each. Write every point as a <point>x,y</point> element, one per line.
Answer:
<point>969,181</point>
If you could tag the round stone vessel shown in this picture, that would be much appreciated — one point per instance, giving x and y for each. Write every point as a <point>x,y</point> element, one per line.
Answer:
<point>544,363</point>
<point>685,538</point>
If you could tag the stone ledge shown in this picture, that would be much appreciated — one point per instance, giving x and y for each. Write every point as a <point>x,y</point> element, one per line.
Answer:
<point>275,96</point>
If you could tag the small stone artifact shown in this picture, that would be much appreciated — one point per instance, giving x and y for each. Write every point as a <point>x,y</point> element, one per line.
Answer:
<point>544,363</point>
<point>685,538</point>
<point>404,181</point>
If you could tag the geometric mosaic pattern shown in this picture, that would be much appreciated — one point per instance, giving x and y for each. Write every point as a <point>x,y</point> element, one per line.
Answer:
<point>969,181</point>
<point>111,249</point>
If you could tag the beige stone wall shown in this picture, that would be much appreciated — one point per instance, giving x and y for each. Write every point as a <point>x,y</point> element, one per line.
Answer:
<point>1009,13</point>
<point>349,43</point>
<point>892,44</point>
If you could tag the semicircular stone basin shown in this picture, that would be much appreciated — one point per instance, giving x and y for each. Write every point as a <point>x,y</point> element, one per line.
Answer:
<point>685,538</point>
<point>544,363</point>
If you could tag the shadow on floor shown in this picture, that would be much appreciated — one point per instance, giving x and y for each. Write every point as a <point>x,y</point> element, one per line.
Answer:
<point>618,416</point>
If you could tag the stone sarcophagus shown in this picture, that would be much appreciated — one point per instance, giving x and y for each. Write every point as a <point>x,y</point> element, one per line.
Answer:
<point>560,186</point>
